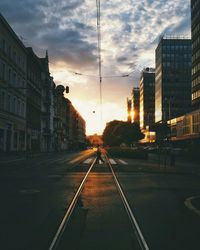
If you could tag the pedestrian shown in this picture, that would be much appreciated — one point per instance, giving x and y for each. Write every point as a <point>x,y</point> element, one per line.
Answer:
<point>98,154</point>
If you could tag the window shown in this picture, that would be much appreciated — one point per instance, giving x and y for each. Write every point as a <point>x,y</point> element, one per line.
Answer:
<point>9,75</point>
<point>23,109</point>
<point>15,139</point>
<point>18,107</point>
<point>2,100</point>
<point>2,71</point>
<point>9,102</point>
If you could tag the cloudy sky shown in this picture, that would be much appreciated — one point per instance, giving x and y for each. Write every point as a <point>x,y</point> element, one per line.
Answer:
<point>67,29</point>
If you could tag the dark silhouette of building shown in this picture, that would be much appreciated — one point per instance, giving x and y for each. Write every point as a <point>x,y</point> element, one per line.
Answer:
<point>172,78</point>
<point>129,110</point>
<point>33,111</point>
<point>147,97</point>
<point>12,90</point>
<point>136,105</point>
<point>195,28</point>
<point>47,107</point>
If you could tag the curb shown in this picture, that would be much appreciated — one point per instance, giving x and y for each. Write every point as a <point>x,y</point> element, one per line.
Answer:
<point>188,204</point>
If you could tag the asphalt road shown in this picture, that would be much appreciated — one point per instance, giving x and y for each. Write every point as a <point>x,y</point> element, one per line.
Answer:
<point>35,194</point>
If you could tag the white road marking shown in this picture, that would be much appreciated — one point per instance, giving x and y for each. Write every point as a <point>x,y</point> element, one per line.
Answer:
<point>88,161</point>
<point>112,161</point>
<point>189,204</point>
<point>123,162</point>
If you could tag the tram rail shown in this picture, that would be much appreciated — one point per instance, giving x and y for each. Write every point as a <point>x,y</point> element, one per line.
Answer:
<point>141,240</point>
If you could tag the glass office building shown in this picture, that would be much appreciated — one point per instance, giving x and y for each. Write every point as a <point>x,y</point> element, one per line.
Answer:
<point>147,98</point>
<point>195,28</point>
<point>172,78</point>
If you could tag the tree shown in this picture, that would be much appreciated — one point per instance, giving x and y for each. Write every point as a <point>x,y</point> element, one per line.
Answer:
<point>117,132</point>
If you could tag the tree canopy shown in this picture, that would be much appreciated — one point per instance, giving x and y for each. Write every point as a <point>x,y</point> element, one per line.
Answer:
<point>118,132</point>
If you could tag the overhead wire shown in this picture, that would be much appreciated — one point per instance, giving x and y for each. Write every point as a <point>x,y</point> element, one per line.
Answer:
<point>98,7</point>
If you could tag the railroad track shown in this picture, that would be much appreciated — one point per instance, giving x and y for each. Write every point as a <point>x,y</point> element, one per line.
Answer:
<point>67,217</point>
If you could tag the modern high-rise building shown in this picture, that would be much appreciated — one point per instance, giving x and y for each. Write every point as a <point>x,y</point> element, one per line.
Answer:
<point>195,28</point>
<point>129,109</point>
<point>147,97</point>
<point>136,105</point>
<point>172,78</point>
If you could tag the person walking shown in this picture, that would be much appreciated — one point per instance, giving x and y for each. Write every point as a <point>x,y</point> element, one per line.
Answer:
<point>99,157</point>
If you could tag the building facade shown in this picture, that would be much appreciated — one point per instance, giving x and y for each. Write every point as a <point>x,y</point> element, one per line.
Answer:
<point>172,78</point>
<point>147,98</point>
<point>136,104</point>
<point>195,29</point>
<point>129,110</point>
<point>76,128</point>
<point>47,107</point>
<point>34,114</point>
<point>13,83</point>
<point>186,127</point>
<point>34,100</point>
<point>61,121</point>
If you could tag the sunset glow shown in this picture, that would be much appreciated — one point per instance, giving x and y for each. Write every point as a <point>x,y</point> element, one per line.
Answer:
<point>67,29</point>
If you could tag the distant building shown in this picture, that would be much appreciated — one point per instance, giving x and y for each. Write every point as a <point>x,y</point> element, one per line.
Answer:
<point>34,99</point>
<point>47,107</point>
<point>136,105</point>
<point>77,131</point>
<point>60,119</point>
<point>147,98</point>
<point>172,78</point>
<point>34,114</point>
<point>195,25</point>
<point>13,72</point>
<point>129,110</point>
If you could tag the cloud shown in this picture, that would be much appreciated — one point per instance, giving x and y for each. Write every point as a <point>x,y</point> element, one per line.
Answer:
<point>130,33</point>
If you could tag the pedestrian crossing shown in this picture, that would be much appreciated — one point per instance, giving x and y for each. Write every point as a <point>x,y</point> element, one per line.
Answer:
<point>112,161</point>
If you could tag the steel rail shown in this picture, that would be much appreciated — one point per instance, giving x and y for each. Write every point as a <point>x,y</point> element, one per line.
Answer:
<point>69,211</point>
<point>136,228</point>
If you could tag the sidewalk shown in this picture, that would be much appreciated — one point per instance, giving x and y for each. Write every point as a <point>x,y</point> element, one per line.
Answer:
<point>17,156</point>
<point>180,165</point>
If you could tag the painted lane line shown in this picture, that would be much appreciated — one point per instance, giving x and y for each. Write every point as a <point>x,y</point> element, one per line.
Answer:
<point>88,161</point>
<point>123,162</point>
<point>112,161</point>
<point>188,204</point>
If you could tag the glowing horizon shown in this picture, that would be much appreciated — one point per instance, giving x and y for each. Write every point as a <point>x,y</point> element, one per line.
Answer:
<point>67,29</point>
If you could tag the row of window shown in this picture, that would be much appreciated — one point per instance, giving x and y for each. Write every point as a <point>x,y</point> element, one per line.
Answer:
<point>195,16</point>
<point>178,56</point>
<point>196,29</point>
<point>12,104</point>
<point>196,43</point>
<point>196,118</point>
<point>196,68</point>
<point>12,54</point>
<point>196,56</point>
<point>176,64</point>
<point>196,128</point>
<point>196,94</point>
<point>194,4</point>
<point>9,75</point>
<point>196,81</point>
<point>176,47</point>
